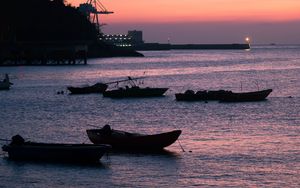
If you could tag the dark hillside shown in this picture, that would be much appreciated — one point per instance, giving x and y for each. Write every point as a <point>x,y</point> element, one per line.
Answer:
<point>32,22</point>
<point>43,20</point>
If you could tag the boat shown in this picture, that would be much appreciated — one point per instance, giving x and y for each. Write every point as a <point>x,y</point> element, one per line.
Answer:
<point>133,90</point>
<point>246,96</point>
<point>5,84</point>
<point>18,149</point>
<point>190,95</point>
<point>96,88</point>
<point>121,140</point>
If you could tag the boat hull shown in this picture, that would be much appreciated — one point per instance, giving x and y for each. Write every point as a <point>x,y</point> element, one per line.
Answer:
<point>135,92</point>
<point>131,141</point>
<point>247,96</point>
<point>56,152</point>
<point>4,86</point>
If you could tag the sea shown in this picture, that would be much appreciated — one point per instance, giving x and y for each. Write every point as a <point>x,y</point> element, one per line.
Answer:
<point>247,144</point>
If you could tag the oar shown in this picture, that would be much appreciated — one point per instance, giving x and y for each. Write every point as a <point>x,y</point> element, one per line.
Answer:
<point>95,126</point>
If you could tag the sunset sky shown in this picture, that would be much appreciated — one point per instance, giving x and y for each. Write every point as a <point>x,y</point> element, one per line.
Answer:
<point>205,21</point>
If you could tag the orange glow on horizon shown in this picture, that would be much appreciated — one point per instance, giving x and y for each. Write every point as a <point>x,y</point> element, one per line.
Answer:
<point>145,11</point>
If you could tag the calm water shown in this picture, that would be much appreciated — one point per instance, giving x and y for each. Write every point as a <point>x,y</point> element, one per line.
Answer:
<point>254,144</point>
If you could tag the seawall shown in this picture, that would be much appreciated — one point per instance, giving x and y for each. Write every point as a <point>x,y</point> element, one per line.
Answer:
<point>161,46</point>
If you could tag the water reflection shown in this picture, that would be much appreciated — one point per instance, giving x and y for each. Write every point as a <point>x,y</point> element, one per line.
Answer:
<point>141,153</point>
<point>233,145</point>
<point>54,164</point>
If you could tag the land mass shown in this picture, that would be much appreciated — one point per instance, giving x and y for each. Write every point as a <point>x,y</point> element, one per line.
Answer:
<point>42,30</point>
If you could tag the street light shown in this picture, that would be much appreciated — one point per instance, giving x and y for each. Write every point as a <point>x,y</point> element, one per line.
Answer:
<point>247,39</point>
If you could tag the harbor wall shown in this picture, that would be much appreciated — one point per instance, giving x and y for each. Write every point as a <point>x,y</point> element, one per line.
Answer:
<point>161,46</point>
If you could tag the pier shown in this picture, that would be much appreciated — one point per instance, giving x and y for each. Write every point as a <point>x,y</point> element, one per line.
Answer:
<point>43,53</point>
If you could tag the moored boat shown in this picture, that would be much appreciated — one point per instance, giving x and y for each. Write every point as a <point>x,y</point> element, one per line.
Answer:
<point>133,90</point>
<point>5,84</point>
<point>18,149</point>
<point>121,140</point>
<point>96,88</point>
<point>246,96</point>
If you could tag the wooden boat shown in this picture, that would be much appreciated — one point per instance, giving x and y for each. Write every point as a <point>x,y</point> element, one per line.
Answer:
<point>121,140</point>
<point>5,84</point>
<point>204,95</point>
<point>246,96</point>
<point>133,90</point>
<point>96,88</point>
<point>18,149</point>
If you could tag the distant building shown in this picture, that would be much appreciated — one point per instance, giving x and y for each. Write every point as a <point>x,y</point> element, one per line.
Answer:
<point>136,37</point>
<point>132,38</point>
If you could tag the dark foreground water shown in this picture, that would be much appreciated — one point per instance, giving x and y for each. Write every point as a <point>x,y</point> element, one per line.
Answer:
<point>254,144</point>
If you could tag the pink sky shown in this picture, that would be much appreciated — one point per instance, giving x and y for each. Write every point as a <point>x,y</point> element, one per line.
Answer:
<point>141,14</point>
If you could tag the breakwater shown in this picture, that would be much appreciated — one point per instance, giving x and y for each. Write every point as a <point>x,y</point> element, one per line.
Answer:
<point>161,46</point>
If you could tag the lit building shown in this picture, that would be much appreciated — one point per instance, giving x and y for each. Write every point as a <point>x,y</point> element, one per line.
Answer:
<point>133,38</point>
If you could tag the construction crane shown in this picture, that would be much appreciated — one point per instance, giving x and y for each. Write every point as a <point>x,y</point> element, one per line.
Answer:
<point>92,8</point>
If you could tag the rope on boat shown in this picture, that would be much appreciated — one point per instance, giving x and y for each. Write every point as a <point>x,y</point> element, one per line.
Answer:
<point>107,156</point>
<point>5,140</point>
<point>180,145</point>
<point>9,140</point>
<point>179,140</point>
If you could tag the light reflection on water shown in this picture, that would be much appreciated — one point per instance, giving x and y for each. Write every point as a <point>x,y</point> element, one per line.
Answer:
<point>232,144</point>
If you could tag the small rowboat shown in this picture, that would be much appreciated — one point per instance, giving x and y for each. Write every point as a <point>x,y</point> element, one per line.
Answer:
<point>18,149</point>
<point>96,88</point>
<point>121,140</point>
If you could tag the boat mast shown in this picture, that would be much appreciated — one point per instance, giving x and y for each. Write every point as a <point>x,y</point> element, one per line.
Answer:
<point>129,79</point>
